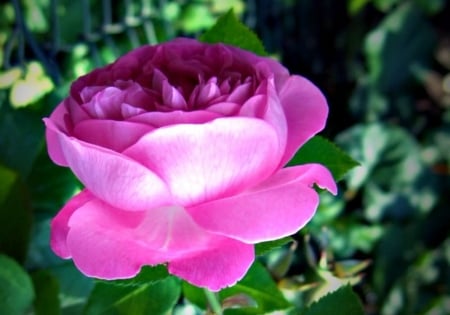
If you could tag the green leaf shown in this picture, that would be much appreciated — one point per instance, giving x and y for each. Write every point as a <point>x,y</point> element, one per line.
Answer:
<point>229,30</point>
<point>147,275</point>
<point>323,151</point>
<point>403,39</point>
<point>49,196</point>
<point>46,287</point>
<point>260,287</point>
<point>15,215</point>
<point>343,301</point>
<point>16,288</point>
<point>153,298</point>
<point>21,138</point>
<point>256,293</point>
<point>74,287</point>
<point>265,247</point>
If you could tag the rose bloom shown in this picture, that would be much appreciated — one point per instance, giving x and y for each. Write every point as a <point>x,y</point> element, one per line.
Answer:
<point>180,147</point>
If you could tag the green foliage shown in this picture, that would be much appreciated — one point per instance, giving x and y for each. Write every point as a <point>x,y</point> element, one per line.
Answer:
<point>256,293</point>
<point>320,150</point>
<point>229,30</point>
<point>265,247</point>
<point>15,215</point>
<point>146,276</point>
<point>46,287</point>
<point>152,298</point>
<point>16,288</point>
<point>403,38</point>
<point>343,301</point>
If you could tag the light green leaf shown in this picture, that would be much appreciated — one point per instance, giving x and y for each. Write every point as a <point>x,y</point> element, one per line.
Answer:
<point>154,298</point>
<point>323,151</point>
<point>343,301</point>
<point>46,287</point>
<point>16,288</point>
<point>229,30</point>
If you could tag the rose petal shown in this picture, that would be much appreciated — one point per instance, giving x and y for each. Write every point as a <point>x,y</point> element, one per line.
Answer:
<point>278,207</point>
<point>217,268</point>
<point>111,134</point>
<point>120,181</point>
<point>58,118</point>
<point>110,243</point>
<point>212,160</point>
<point>59,225</point>
<point>160,119</point>
<point>172,97</point>
<point>306,111</point>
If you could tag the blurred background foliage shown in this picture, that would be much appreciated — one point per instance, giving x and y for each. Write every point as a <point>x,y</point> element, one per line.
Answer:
<point>384,66</point>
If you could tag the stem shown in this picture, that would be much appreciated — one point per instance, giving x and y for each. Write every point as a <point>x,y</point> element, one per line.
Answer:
<point>213,302</point>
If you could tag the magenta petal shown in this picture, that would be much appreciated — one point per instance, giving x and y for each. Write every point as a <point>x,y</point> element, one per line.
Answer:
<point>59,225</point>
<point>160,119</point>
<point>217,267</point>
<point>99,168</point>
<point>102,244</point>
<point>306,112</point>
<point>207,161</point>
<point>111,134</point>
<point>110,243</point>
<point>278,207</point>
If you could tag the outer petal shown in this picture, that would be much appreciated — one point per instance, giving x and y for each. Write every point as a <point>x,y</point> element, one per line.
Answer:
<point>216,268</point>
<point>110,243</point>
<point>59,225</point>
<point>99,170</point>
<point>306,111</point>
<point>111,134</point>
<point>58,117</point>
<point>278,207</point>
<point>207,161</point>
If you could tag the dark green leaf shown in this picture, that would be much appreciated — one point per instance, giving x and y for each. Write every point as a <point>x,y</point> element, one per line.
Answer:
<point>46,287</point>
<point>257,289</point>
<point>321,150</point>
<point>16,288</point>
<point>229,30</point>
<point>147,275</point>
<point>21,138</point>
<point>154,298</point>
<point>260,287</point>
<point>343,301</point>
<point>74,287</point>
<point>265,247</point>
<point>49,195</point>
<point>403,39</point>
<point>15,215</point>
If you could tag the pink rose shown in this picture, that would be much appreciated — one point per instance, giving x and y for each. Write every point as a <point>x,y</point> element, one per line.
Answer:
<point>180,147</point>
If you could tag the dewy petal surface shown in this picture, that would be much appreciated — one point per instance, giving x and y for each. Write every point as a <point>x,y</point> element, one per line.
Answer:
<point>278,207</point>
<point>218,267</point>
<point>112,177</point>
<point>207,161</point>
<point>306,112</point>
